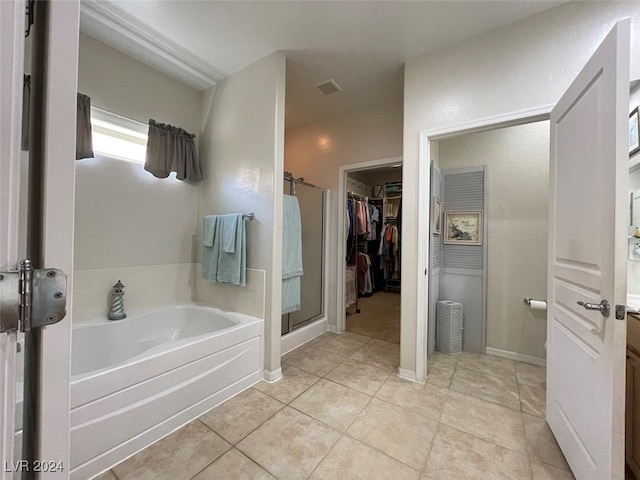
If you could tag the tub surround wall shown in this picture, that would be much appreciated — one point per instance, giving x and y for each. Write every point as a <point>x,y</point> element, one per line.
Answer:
<point>153,286</point>
<point>147,287</point>
<point>133,227</point>
<point>125,216</point>
<point>241,150</point>
<point>129,225</point>
<point>531,64</point>
<point>316,153</point>
<point>249,300</point>
<point>517,176</point>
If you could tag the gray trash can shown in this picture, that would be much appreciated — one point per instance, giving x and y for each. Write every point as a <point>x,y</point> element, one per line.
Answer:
<point>449,318</point>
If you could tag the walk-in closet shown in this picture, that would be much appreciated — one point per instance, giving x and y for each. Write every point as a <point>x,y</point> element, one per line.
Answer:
<point>373,251</point>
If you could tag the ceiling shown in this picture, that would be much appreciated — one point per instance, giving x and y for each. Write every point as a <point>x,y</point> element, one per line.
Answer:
<point>361,44</point>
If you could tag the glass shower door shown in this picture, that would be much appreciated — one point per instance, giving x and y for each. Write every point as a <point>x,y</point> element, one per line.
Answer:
<point>312,212</point>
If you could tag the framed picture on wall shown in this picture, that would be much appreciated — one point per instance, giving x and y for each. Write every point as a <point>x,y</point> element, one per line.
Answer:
<point>436,216</point>
<point>463,228</point>
<point>634,135</point>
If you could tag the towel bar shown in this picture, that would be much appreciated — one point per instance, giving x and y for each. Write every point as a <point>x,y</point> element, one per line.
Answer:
<point>249,216</point>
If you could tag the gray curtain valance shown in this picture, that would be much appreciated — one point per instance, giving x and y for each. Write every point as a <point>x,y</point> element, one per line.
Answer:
<point>171,149</point>
<point>84,144</point>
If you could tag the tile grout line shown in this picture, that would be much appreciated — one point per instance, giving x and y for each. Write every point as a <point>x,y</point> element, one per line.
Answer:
<point>424,470</point>
<point>219,456</point>
<point>494,402</point>
<point>518,452</point>
<point>524,429</point>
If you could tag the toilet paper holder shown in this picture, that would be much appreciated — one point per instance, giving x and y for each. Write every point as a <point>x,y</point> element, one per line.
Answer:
<point>528,300</point>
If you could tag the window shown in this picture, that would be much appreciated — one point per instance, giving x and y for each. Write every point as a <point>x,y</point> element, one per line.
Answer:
<point>118,137</point>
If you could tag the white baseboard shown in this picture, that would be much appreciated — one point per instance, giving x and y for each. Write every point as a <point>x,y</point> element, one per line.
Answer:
<point>333,329</point>
<point>408,375</point>
<point>299,337</point>
<point>517,356</point>
<point>271,377</point>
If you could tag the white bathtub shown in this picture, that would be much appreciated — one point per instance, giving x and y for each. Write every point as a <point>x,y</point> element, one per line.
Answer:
<point>135,380</point>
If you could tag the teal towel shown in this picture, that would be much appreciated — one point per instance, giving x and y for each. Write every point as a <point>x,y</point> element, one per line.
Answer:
<point>210,246</point>
<point>209,230</point>
<point>291,238</point>
<point>232,267</point>
<point>218,265</point>
<point>291,295</point>
<point>229,232</point>
<point>291,254</point>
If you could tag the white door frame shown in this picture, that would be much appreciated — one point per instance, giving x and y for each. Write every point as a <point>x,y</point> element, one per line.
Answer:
<point>425,157</point>
<point>11,84</point>
<point>59,201</point>
<point>341,314</point>
<point>58,198</point>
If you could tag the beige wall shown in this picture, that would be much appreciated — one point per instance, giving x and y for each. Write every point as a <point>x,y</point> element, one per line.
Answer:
<point>242,154</point>
<point>524,65</point>
<point>129,225</point>
<point>122,85</point>
<point>316,153</point>
<point>517,161</point>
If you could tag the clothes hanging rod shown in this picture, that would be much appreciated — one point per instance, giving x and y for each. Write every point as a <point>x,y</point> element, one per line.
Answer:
<point>120,116</point>
<point>353,194</point>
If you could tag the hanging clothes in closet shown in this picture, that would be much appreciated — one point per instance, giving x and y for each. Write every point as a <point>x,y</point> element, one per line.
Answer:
<point>358,220</point>
<point>362,227</point>
<point>373,240</point>
<point>389,252</point>
<point>365,274</point>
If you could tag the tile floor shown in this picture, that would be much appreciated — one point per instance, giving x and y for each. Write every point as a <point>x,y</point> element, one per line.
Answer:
<point>379,317</point>
<point>340,412</point>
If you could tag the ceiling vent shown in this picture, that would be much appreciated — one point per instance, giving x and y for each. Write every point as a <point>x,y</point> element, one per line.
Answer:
<point>328,87</point>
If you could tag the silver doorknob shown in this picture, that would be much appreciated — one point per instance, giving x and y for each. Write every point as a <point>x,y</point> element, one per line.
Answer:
<point>603,306</point>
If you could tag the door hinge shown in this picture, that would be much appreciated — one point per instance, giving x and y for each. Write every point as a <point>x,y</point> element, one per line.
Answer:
<point>32,298</point>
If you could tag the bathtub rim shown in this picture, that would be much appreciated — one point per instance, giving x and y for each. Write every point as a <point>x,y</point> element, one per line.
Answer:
<point>105,321</point>
<point>137,368</point>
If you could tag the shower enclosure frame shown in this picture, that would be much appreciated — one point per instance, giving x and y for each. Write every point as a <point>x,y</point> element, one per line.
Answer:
<point>317,324</point>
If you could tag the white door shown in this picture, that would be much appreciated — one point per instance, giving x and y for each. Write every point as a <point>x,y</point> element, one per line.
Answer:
<point>587,263</point>
<point>58,187</point>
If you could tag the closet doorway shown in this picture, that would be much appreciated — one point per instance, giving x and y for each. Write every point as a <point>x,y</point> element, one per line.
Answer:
<point>370,250</point>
